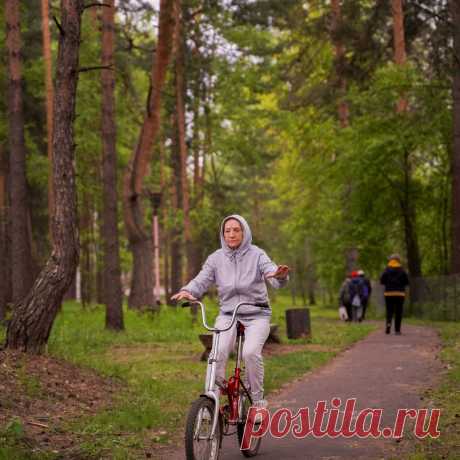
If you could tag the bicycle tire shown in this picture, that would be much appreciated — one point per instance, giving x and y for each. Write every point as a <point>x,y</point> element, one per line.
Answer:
<point>255,444</point>
<point>200,418</point>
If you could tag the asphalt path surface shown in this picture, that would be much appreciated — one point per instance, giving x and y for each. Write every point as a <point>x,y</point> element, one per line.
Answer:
<point>382,371</point>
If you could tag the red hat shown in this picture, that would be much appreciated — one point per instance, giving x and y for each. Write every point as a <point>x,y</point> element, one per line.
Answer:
<point>354,274</point>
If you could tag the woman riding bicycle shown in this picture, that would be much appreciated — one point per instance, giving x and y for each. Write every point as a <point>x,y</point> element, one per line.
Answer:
<point>239,270</point>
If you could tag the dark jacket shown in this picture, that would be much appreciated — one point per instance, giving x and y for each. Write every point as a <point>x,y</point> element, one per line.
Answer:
<point>344,293</point>
<point>395,280</point>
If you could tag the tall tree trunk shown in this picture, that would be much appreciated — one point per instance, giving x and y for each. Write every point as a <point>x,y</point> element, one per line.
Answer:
<point>141,294</point>
<point>177,206</point>
<point>410,229</point>
<point>444,227</point>
<point>180,87</point>
<point>33,317</point>
<point>455,161</point>
<point>20,243</point>
<point>339,59</point>
<point>88,271</point>
<point>407,205</point>
<point>49,103</point>
<point>111,272</point>
<point>164,232</point>
<point>399,43</point>
<point>198,170</point>
<point>343,111</point>
<point>4,259</point>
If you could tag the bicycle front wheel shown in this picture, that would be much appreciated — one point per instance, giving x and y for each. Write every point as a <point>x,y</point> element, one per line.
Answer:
<point>255,443</point>
<point>198,445</point>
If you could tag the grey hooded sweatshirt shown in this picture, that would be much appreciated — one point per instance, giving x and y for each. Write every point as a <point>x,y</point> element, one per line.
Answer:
<point>239,274</point>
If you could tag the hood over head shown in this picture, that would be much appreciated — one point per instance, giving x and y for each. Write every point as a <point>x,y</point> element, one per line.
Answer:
<point>394,261</point>
<point>247,236</point>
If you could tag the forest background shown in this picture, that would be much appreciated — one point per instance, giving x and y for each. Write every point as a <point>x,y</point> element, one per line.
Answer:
<point>330,125</point>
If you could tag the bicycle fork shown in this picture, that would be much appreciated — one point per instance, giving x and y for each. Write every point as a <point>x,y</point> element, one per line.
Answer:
<point>210,385</point>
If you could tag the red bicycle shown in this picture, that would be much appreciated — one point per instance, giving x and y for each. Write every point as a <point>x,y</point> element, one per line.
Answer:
<point>208,421</point>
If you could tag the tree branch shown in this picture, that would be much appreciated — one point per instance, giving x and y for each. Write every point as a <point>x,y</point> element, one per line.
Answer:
<point>61,30</point>
<point>96,67</point>
<point>90,5</point>
<point>432,13</point>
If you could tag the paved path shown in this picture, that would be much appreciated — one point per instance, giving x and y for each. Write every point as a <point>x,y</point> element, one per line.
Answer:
<point>381,371</point>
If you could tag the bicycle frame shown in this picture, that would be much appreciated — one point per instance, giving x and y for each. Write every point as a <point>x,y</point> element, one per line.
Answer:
<point>233,385</point>
<point>234,382</point>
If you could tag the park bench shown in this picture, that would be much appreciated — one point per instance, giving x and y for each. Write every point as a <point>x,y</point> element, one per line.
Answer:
<point>206,340</point>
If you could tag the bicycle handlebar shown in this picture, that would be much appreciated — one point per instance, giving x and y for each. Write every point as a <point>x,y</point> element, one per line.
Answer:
<point>203,313</point>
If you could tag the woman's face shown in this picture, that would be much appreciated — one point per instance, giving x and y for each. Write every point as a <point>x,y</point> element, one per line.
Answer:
<point>233,233</point>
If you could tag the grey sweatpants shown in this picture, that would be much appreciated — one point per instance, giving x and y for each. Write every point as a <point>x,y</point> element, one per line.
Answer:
<point>256,331</point>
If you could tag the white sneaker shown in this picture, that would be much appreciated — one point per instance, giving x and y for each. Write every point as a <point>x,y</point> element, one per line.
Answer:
<point>260,404</point>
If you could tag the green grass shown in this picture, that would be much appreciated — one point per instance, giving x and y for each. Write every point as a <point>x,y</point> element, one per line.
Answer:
<point>446,397</point>
<point>157,361</point>
<point>13,445</point>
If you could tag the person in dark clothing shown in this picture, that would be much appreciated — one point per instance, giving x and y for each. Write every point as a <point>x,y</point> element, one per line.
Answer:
<point>357,290</point>
<point>344,296</point>
<point>395,280</point>
<point>366,291</point>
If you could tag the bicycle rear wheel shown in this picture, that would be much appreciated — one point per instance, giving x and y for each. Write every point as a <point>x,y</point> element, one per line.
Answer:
<point>255,443</point>
<point>198,428</point>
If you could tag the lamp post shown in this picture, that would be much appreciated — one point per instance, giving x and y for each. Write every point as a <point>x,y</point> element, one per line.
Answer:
<point>156,200</point>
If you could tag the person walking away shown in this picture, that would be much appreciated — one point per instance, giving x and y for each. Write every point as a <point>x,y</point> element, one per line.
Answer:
<point>356,288</point>
<point>395,280</point>
<point>240,271</point>
<point>344,299</point>
<point>367,291</point>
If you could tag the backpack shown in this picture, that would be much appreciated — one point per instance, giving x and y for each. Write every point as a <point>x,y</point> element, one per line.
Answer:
<point>356,291</point>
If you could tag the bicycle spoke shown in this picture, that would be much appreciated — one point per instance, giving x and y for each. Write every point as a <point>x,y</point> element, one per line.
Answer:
<point>199,445</point>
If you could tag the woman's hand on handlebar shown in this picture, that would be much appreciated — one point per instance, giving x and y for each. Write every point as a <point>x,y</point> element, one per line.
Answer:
<point>280,274</point>
<point>181,295</point>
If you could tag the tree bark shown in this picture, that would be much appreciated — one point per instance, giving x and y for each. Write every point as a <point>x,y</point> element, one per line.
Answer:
<point>407,205</point>
<point>343,111</point>
<point>20,243</point>
<point>141,294</point>
<point>5,290</point>
<point>111,272</point>
<point>410,227</point>
<point>164,232</point>
<point>399,44</point>
<point>49,104</point>
<point>33,317</point>
<point>455,159</point>
<point>180,87</point>
<point>176,233</point>
<point>339,60</point>
<point>87,254</point>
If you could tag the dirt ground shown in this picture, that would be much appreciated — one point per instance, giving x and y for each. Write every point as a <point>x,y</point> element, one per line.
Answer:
<point>43,394</point>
